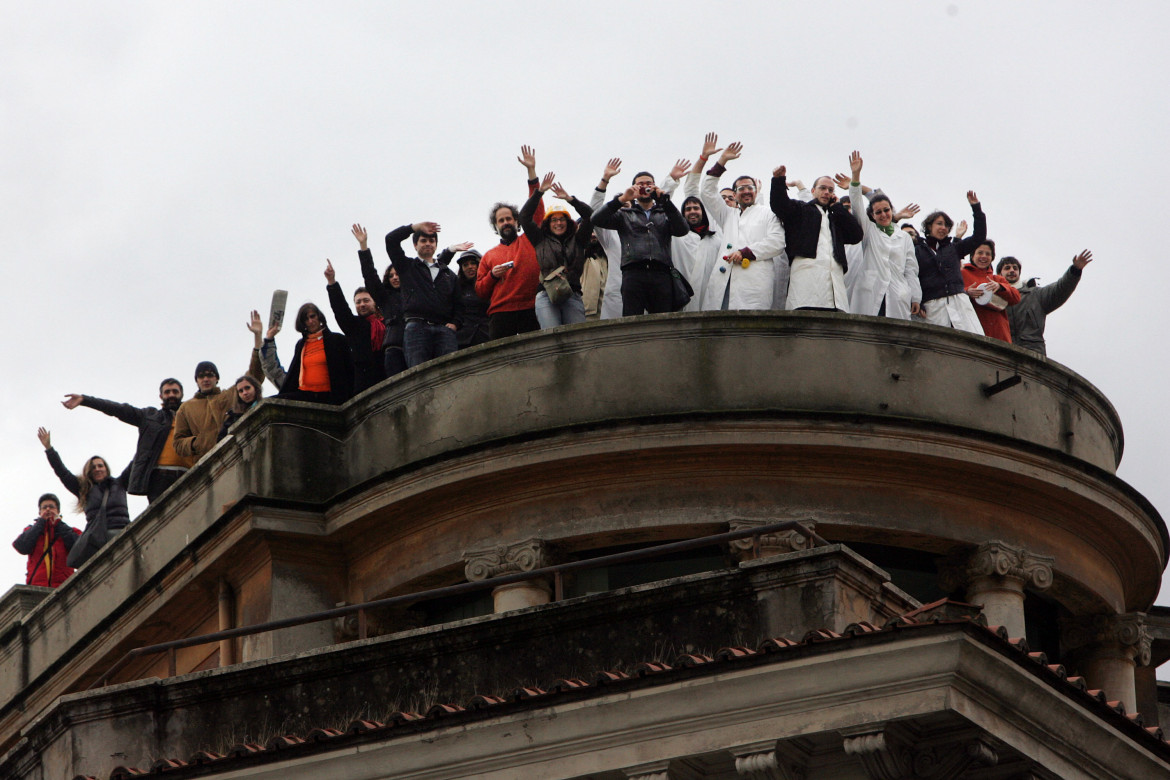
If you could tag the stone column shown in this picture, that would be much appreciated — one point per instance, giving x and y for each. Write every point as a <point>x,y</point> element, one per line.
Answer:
<point>994,576</point>
<point>769,544</point>
<point>1107,650</point>
<point>508,559</point>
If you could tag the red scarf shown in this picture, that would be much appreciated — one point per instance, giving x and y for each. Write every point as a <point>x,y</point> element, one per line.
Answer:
<point>377,332</point>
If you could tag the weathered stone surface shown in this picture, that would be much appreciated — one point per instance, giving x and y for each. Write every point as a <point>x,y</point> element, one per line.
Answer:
<point>655,429</point>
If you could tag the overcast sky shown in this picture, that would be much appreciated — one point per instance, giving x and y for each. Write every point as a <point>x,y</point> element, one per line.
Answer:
<point>167,165</point>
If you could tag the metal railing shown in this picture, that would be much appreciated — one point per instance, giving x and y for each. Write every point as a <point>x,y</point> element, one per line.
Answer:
<point>557,573</point>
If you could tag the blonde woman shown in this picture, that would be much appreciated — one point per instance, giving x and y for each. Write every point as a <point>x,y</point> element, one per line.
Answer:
<point>100,495</point>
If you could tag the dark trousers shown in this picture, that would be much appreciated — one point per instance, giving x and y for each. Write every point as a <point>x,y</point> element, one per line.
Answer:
<point>646,287</point>
<point>160,480</point>
<point>423,341</point>
<point>508,323</point>
<point>395,360</point>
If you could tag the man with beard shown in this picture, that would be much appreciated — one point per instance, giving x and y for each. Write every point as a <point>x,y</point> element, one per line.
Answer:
<point>156,465</point>
<point>364,331</point>
<point>509,274</point>
<point>817,233</point>
<point>1029,316</point>
<point>696,253</point>
<point>645,230</point>
<point>744,275</point>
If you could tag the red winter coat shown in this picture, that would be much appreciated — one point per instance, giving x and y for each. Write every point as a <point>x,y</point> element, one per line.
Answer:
<point>994,321</point>
<point>46,570</point>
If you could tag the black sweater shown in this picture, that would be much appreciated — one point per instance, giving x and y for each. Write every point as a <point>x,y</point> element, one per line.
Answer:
<point>434,300</point>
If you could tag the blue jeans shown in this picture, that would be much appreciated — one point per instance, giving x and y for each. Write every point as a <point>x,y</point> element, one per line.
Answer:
<point>571,310</point>
<point>423,341</point>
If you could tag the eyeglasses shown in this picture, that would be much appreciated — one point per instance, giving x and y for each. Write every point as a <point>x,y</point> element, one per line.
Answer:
<point>746,188</point>
<point>205,375</point>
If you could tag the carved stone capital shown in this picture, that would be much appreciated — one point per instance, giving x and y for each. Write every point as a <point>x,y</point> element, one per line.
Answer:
<point>770,544</point>
<point>1126,633</point>
<point>998,560</point>
<point>505,559</point>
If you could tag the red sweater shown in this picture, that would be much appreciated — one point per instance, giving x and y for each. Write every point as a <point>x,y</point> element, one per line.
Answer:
<point>994,321</point>
<point>516,290</point>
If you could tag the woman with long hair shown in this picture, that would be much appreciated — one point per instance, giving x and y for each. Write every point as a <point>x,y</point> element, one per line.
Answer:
<point>100,495</point>
<point>322,366</point>
<point>247,394</point>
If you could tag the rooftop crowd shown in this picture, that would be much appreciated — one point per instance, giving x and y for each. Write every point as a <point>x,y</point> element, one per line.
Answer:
<point>630,254</point>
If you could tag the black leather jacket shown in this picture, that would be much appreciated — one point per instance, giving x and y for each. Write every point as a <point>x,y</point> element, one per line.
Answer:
<point>644,235</point>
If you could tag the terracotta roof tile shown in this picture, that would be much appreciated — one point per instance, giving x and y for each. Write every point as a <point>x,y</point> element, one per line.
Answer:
<point>285,741</point>
<point>820,635</point>
<point>776,644</point>
<point>362,726</point>
<point>244,749</point>
<point>864,627</point>
<point>440,710</point>
<point>482,702</point>
<point>320,735</point>
<point>521,694</point>
<point>568,684</point>
<point>398,718</point>
<point>687,660</point>
<point>163,764</point>
<point>603,677</point>
<point>122,772</point>
<point>730,653</point>
<point>650,667</point>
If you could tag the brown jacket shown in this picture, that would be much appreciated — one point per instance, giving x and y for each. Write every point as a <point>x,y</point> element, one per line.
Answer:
<point>198,420</point>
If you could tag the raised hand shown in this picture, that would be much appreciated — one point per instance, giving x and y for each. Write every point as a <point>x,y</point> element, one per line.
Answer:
<point>271,334</point>
<point>43,435</point>
<point>547,181</point>
<point>255,324</point>
<point>359,233</point>
<point>907,213</point>
<point>680,169</point>
<point>72,400</point>
<point>961,230</point>
<point>612,168</point>
<point>780,171</point>
<point>797,183</point>
<point>463,247</point>
<point>527,158</point>
<point>426,227</point>
<point>559,192</point>
<point>842,180</point>
<point>330,274</point>
<point>855,165</point>
<point>972,198</point>
<point>732,152</point>
<point>1083,259</point>
<point>710,146</point>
